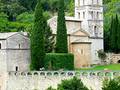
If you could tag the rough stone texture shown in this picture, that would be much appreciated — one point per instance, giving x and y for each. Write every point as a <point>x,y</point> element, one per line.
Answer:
<point>44,79</point>
<point>14,55</point>
<point>113,58</point>
<point>85,27</point>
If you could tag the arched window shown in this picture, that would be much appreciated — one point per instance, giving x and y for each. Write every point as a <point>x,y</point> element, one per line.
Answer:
<point>84,15</point>
<point>97,15</point>
<point>91,14</point>
<point>78,2</point>
<point>0,45</point>
<point>83,2</point>
<point>92,2</point>
<point>97,2</point>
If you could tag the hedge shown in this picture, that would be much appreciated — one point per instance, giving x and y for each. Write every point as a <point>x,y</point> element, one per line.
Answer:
<point>57,61</point>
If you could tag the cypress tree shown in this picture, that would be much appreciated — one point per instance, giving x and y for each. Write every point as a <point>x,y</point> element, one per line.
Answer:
<point>49,40</point>
<point>61,39</point>
<point>118,33</point>
<point>37,39</point>
<point>113,35</point>
<point>118,42</point>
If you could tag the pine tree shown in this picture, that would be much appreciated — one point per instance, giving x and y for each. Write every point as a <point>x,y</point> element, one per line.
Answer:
<point>61,39</point>
<point>37,39</point>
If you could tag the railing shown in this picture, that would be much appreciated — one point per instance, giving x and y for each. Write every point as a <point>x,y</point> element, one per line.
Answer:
<point>67,73</point>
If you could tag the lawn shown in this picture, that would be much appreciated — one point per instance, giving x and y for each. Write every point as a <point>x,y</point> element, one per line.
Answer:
<point>104,67</point>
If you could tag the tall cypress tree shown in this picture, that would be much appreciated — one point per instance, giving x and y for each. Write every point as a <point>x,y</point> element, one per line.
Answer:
<point>61,39</point>
<point>118,33</point>
<point>37,39</point>
<point>113,35</point>
<point>49,40</point>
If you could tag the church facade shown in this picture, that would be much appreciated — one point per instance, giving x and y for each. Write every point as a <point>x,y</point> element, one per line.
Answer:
<point>85,31</point>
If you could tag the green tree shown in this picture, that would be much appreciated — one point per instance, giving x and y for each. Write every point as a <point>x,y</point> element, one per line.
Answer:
<point>70,8</point>
<point>118,34</point>
<point>3,23</point>
<point>61,39</point>
<point>114,35</point>
<point>49,40</point>
<point>28,4</point>
<point>37,39</point>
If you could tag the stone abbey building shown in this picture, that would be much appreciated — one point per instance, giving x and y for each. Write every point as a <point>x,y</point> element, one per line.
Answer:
<point>85,31</point>
<point>85,38</point>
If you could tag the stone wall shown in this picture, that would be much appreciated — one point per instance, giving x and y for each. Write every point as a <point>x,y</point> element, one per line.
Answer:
<point>43,79</point>
<point>113,58</point>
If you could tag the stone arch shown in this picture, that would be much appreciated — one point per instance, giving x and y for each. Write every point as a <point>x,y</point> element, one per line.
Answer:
<point>70,73</point>
<point>118,61</point>
<point>63,73</point>
<point>36,73</point>
<point>49,73</point>
<point>29,73</point>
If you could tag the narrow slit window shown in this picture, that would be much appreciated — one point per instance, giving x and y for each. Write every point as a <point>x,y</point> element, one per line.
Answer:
<point>84,15</point>
<point>96,31</point>
<point>16,68</point>
<point>0,45</point>
<point>19,46</point>
<point>79,15</point>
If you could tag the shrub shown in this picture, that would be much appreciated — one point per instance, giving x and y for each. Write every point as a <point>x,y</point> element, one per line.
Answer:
<point>72,84</point>
<point>56,61</point>
<point>111,84</point>
<point>102,55</point>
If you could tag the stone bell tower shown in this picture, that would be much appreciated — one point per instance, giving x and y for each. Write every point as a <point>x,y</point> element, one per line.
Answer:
<point>91,14</point>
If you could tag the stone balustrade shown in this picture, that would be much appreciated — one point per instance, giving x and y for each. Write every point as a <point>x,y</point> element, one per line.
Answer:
<point>67,73</point>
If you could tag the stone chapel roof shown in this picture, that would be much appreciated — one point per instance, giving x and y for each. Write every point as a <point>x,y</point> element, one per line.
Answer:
<point>8,34</point>
<point>53,23</point>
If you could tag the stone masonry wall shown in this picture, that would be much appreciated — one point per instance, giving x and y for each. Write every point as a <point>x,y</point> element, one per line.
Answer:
<point>43,79</point>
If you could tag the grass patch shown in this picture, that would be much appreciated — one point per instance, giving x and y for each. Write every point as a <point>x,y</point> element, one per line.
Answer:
<point>103,67</point>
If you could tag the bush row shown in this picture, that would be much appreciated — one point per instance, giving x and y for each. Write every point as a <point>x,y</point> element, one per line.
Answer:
<point>57,61</point>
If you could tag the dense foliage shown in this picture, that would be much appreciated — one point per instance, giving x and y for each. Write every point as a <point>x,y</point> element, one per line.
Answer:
<point>102,55</point>
<point>112,36</point>
<point>61,38</point>
<point>112,84</point>
<point>72,84</point>
<point>56,61</point>
<point>37,39</point>
<point>111,8</point>
<point>49,40</point>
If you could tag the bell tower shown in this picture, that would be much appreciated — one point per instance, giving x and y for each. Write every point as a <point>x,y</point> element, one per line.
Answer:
<point>90,12</point>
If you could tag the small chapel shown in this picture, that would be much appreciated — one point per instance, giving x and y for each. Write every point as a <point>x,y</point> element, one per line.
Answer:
<point>85,32</point>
